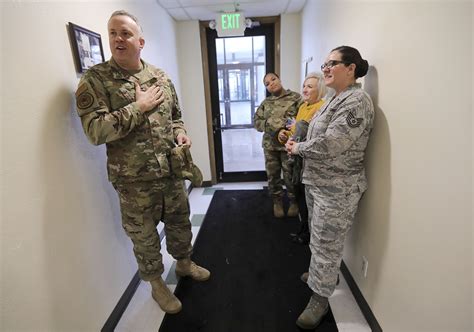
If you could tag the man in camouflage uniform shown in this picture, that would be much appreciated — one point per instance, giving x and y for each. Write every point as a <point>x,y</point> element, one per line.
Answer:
<point>133,108</point>
<point>334,176</point>
<point>271,116</point>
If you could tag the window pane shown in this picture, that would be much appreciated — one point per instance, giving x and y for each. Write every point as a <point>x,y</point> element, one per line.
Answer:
<point>238,50</point>
<point>220,51</point>
<point>260,91</point>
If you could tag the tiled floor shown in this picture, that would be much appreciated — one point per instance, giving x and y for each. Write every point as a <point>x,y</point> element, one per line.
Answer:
<point>242,150</point>
<point>143,313</point>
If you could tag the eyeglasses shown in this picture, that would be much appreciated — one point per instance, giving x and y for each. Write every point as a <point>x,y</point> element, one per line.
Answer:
<point>332,63</point>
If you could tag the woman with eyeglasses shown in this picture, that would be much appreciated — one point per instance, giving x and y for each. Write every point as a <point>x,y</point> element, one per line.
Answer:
<point>333,173</point>
<point>272,115</point>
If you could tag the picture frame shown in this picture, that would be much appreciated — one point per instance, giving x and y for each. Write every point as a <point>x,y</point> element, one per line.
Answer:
<point>86,47</point>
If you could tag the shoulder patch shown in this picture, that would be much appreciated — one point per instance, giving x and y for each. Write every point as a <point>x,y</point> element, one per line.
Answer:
<point>84,100</point>
<point>352,121</point>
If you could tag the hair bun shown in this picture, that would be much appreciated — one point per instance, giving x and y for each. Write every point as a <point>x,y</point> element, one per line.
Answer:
<point>362,68</point>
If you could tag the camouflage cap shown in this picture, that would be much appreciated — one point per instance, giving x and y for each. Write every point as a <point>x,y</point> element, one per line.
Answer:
<point>182,165</point>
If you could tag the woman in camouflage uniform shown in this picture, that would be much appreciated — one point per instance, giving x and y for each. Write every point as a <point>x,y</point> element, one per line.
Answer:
<point>272,115</point>
<point>334,173</point>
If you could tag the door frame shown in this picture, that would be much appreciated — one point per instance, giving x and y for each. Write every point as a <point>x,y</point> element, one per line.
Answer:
<point>203,25</point>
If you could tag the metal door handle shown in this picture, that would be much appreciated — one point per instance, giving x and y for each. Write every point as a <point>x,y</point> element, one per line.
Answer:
<point>215,126</point>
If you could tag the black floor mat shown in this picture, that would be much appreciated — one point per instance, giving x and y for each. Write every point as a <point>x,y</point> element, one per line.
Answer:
<point>255,270</point>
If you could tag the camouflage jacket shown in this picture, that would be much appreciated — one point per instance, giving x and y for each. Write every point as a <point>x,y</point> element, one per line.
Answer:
<point>334,149</point>
<point>272,115</point>
<point>138,145</point>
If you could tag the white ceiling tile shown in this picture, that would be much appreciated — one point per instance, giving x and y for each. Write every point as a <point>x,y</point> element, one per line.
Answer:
<point>168,4</point>
<point>199,3</point>
<point>203,13</point>
<point>263,9</point>
<point>226,8</point>
<point>257,1</point>
<point>178,14</point>
<point>209,9</point>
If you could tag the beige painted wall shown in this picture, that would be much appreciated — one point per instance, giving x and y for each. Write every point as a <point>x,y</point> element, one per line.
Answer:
<point>192,96</point>
<point>472,162</point>
<point>415,221</point>
<point>65,260</point>
<point>290,51</point>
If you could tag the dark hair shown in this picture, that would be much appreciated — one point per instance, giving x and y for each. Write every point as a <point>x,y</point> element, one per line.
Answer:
<point>352,55</point>
<point>270,73</point>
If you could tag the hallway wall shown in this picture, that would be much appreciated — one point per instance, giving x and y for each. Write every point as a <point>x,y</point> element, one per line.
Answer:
<point>192,96</point>
<point>290,49</point>
<point>65,260</point>
<point>415,221</point>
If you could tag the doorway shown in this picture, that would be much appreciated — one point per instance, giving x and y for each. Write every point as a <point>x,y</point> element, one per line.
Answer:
<point>237,66</point>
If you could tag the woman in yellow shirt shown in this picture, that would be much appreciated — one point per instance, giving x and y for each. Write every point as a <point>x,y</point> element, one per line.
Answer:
<point>314,90</point>
<point>313,93</point>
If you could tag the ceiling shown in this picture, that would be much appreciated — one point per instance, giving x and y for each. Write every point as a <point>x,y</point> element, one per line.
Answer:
<point>204,10</point>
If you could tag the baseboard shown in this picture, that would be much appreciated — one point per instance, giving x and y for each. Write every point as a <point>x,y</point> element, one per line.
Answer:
<point>124,301</point>
<point>203,185</point>
<point>363,305</point>
<point>122,304</point>
<point>127,296</point>
<point>206,184</point>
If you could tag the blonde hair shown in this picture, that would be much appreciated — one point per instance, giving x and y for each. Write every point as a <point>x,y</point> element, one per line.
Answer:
<point>322,90</point>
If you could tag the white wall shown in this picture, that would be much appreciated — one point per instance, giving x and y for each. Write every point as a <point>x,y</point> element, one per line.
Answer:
<point>65,260</point>
<point>472,162</point>
<point>415,221</point>
<point>192,93</point>
<point>290,52</point>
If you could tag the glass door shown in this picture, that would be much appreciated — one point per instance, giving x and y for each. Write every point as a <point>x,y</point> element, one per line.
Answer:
<point>235,99</point>
<point>238,65</point>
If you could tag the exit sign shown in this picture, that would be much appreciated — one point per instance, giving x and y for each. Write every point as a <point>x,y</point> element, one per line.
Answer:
<point>230,24</point>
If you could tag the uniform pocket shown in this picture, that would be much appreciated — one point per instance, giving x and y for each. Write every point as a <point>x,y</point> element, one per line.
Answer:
<point>164,164</point>
<point>177,160</point>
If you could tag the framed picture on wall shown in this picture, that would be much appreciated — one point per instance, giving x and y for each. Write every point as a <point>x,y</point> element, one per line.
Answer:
<point>86,47</point>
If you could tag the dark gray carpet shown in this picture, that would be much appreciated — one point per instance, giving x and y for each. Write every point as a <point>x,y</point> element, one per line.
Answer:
<point>255,270</point>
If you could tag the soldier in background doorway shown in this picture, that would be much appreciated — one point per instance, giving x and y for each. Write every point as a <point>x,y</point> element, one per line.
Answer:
<point>271,116</point>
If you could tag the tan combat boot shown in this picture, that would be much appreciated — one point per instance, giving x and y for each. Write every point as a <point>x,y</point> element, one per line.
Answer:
<point>278,208</point>
<point>314,312</point>
<point>293,210</point>
<point>186,267</point>
<point>167,301</point>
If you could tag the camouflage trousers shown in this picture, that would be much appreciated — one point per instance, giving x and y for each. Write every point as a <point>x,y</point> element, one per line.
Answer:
<point>275,162</point>
<point>143,205</point>
<point>331,214</point>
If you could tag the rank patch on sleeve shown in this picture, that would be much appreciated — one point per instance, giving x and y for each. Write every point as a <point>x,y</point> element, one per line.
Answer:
<point>352,121</point>
<point>85,100</point>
